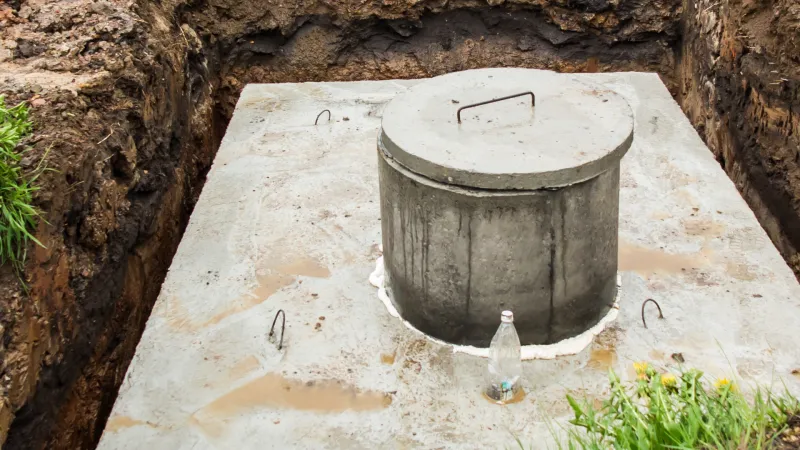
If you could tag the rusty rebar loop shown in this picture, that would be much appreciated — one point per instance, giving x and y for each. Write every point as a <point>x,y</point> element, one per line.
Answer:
<point>660,314</point>
<point>283,327</point>
<point>321,113</point>
<point>495,100</point>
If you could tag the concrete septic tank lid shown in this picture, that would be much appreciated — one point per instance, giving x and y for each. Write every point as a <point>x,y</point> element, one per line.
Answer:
<point>574,132</point>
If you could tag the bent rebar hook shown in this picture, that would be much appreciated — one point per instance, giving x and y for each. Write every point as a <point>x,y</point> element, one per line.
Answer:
<point>283,327</point>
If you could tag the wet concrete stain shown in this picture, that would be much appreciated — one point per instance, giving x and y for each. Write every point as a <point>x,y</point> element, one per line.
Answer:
<point>244,367</point>
<point>267,284</point>
<point>181,318</point>
<point>273,391</point>
<point>706,228</point>
<point>741,272</point>
<point>660,215</point>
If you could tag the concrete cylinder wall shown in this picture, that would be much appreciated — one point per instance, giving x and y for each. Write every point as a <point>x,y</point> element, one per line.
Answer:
<point>456,257</point>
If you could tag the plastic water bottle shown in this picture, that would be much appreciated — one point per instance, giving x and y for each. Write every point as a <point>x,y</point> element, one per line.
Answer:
<point>505,363</point>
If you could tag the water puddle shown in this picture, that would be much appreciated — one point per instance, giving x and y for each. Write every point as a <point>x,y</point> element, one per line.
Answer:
<point>117,423</point>
<point>645,261</point>
<point>244,367</point>
<point>275,391</point>
<point>518,397</point>
<point>387,358</point>
<point>602,359</point>
<point>268,283</point>
<point>307,267</point>
<point>267,286</point>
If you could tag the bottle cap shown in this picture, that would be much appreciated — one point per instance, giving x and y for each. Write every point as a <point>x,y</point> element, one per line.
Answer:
<point>507,317</point>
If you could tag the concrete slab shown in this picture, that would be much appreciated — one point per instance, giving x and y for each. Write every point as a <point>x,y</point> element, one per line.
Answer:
<point>289,220</point>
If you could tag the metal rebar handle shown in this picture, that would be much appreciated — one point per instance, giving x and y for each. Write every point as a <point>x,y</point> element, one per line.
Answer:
<point>494,100</point>
<point>321,113</point>
<point>660,314</point>
<point>283,327</point>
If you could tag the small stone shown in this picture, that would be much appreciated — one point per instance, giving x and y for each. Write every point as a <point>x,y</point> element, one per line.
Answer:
<point>321,317</point>
<point>314,294</point>
<point>318,326</point>
<point>276,421</point>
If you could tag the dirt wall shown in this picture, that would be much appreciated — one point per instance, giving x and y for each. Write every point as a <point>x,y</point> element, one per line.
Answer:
<point>123,112</point>
<point>260,42</point>
<point>740,85</point>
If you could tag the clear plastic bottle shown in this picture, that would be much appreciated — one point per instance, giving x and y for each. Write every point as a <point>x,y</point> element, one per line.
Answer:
<point>505,362</point>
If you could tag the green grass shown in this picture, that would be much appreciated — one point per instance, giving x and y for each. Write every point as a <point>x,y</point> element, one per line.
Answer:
<point>17,214</point>
<point>679,411</point>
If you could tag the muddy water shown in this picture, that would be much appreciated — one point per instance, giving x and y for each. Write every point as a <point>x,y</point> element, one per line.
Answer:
<point>267,285</point>
<point>269,282</point>
<point>275,391</point>
<point>602,359</point>
<point>518,397</point>
<point>387,358</point>
<point>304,267</point>
<point>646,261</point>
<point>117,423</point>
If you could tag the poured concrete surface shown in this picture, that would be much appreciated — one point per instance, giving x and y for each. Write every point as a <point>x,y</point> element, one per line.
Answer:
<point>289,219</point>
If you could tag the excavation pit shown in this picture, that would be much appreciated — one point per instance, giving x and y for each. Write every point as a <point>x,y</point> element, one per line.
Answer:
<point>289,219</point>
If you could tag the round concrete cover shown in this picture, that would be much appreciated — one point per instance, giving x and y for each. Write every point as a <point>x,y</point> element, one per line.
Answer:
<point>574,132</point>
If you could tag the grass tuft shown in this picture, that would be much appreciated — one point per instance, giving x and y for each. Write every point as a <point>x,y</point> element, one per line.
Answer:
<point>17,214</point>
<point>678,411</point>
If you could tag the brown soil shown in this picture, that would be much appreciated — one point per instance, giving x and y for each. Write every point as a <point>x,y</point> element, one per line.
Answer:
<point>790,438</point>
<point>130,99</point>
<point>739,76</point>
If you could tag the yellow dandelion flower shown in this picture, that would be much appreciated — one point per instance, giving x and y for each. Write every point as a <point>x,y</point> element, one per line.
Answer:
<point>640,367</point>
<point>668,380</point>
<point>723,383</point>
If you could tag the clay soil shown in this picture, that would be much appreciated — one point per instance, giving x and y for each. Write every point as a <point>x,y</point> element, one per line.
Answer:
<point>130,99</point>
